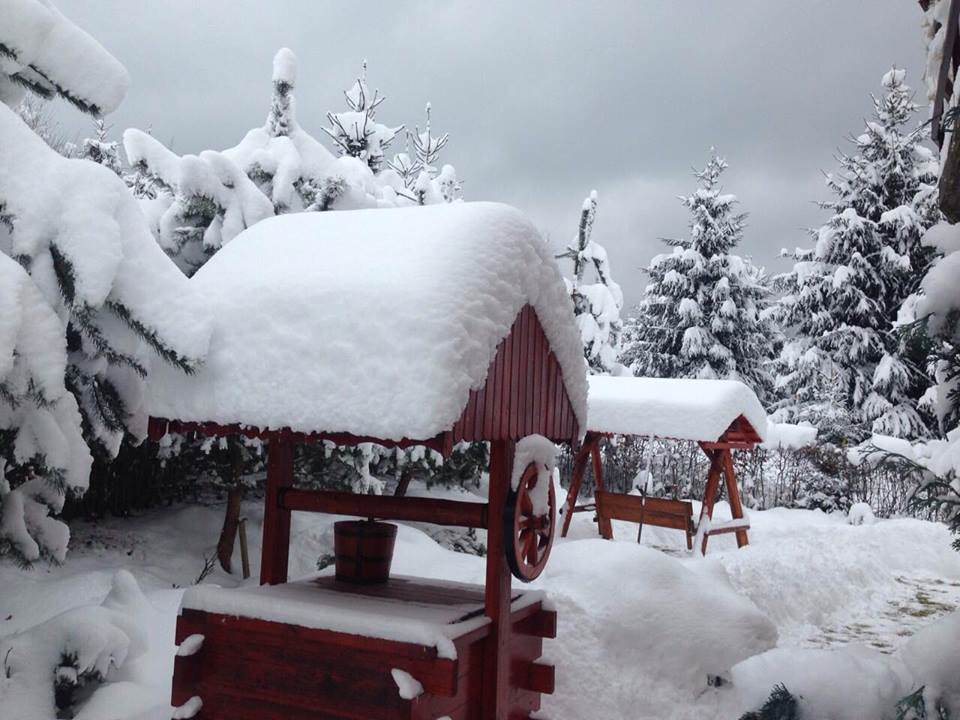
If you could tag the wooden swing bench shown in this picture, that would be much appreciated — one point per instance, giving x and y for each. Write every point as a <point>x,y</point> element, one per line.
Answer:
<point>719,415</point>
<point>660,512</point>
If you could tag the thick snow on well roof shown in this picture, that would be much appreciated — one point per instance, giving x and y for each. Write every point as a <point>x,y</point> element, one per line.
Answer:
<point>683,409</point>
<point>372,322</point>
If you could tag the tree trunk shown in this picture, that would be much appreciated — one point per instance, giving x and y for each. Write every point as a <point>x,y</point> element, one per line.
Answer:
<point>231,519</point>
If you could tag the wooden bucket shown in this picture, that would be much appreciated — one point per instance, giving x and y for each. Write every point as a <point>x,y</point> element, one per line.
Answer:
<point>364,550</point>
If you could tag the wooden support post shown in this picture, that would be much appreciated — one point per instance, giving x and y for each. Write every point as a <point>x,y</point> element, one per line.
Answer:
<point>276,519</point>
<point>603,523</point>
<point>710,492</point>
<point>496,660</point>
<point>733,495</point>
<point>579,469</point>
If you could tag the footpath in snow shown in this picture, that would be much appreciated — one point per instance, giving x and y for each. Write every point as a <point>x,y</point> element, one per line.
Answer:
<point>641,628</point>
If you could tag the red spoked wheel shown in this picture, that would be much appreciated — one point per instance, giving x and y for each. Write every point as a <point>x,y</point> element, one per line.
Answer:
<point>528,535</point>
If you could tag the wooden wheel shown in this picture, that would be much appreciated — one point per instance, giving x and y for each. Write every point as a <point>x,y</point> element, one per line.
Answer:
<point>528,536</point>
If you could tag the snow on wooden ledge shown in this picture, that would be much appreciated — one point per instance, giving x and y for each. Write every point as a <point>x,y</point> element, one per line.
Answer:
<point>681,409</point>
<point>371,322</point>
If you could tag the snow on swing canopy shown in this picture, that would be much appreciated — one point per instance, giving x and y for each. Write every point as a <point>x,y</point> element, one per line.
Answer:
<point>377,323</point>
<point>676,408</point>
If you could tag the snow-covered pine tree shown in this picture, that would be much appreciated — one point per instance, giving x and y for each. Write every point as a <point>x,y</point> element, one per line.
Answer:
<point>703,314</point>
<point>845,367</point>
<point>87,301</point>
<point>356,131</point>
<point>429,186</point>
<point>101,150</point>
<point>205,201</point>
<point>597,304</point>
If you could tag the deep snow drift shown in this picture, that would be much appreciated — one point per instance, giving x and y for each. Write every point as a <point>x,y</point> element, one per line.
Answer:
<point>640,627</point>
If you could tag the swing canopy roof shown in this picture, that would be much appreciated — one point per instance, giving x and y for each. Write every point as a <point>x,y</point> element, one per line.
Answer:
<point>385,324</point>
<point>676,408</point>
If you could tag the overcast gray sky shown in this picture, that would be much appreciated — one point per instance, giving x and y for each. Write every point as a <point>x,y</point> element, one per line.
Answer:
<point>543,100</point>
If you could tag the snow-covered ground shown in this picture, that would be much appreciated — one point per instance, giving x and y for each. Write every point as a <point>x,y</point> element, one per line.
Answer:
<point>641,627</point>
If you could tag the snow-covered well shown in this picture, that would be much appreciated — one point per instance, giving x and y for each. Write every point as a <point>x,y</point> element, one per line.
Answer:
<point>677,408</point>
<point>371,322</point>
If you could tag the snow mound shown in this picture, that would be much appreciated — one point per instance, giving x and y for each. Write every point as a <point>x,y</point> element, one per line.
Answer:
<point>659,616</point>
<point>372,322</point>
<point>681,409</point>
<point>861,514</point>
<point>44,49</point>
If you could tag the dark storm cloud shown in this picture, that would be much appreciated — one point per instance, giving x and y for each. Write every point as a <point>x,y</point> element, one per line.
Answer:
<point>544,100</point>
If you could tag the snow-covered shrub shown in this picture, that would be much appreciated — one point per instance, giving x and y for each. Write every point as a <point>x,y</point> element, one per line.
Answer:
<point>596,305</point>
<point>703,313</point>
<point>861,514</point>
<point>921,681</point>
<point>87,301</point>
<point>845,367</point>
<point>43,668</point>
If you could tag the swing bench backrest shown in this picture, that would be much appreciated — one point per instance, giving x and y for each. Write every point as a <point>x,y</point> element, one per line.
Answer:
<point>660,512</point>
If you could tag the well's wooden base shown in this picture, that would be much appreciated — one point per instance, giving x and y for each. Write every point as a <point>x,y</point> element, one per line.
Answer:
<point>255,669</point>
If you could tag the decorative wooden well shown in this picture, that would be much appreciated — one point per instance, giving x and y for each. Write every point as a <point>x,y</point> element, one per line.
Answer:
<point>406,647</point>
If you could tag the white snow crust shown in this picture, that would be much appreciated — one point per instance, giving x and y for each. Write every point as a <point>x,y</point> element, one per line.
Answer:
<point>682,409</point>
<point>305,604</point>
<point>372,322</point>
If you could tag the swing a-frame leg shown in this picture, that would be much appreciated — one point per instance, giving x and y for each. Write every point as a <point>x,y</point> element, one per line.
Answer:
<point>721,464</point>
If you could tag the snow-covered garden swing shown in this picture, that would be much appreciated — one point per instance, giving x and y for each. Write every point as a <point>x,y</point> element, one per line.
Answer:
<point>419,326</point>
<point>719,415</point>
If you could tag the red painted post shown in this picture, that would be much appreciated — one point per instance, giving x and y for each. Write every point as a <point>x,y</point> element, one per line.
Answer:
<point>710,493</point>
<point>276,519</point>
<point>733,493</point>
<point>496,661</point>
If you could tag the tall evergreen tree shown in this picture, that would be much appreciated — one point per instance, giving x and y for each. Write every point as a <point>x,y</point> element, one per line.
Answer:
<point>87,301</point>
<point>703,314</point>
<point>597,304</point>
<point>846,368</point>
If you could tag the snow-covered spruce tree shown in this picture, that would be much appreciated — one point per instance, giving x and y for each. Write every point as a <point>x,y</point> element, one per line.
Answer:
<point>428,185</point>
<point>101,150</point>
<point>87,301</point>
<point>205,200</point>
<point>703,314</point>
<point>846,368</point>
<point>597,304</point>
<point>356,131</point>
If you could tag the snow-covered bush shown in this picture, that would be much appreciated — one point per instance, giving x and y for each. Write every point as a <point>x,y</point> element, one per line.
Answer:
<point>703,313</point>
<point>43,668</point>
<point>919,682</point>
<point>845,367</point>
<point>87,300</point>
<point>861,514</point>
<point>596,305</point>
